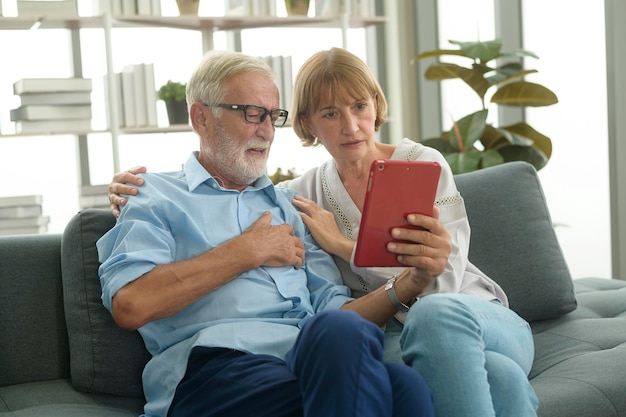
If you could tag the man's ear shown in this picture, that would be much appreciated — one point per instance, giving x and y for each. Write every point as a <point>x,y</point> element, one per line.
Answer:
<point>201,118</point>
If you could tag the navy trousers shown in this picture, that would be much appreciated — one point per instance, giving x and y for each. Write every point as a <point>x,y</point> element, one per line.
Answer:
<point>335,369</point>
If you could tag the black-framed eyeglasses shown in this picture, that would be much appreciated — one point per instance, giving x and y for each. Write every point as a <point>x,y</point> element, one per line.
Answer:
<point>256,114</point>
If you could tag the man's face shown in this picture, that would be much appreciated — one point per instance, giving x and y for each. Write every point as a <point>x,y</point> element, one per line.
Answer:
<point>236,150</point>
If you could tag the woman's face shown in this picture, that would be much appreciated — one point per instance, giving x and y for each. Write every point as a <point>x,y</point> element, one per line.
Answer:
<point>346,130</point>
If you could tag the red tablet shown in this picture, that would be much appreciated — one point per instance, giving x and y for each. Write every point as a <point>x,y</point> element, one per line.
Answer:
<point>395,189</point>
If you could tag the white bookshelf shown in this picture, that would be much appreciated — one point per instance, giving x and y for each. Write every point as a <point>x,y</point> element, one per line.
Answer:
<point>207,26</point>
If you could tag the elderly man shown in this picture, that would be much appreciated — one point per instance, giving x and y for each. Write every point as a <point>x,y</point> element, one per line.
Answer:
<point>243,313</point>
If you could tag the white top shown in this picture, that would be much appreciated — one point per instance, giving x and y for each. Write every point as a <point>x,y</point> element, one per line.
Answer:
<point>323,185</point>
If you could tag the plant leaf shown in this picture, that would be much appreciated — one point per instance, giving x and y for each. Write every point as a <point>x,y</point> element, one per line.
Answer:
<point>482,51</point>
<point>515,139</point>
<point>472,77</point>
<point>520,53</point>
<point>464,162</point>
<point>524,153</point>
<point>501,77</point>
<point>471,128</point>
<point>523,94</point>
<point>491,158</point>
<point>437,53</point>
<point>442,145</point>
<point>492,138</point>
<point>540,141</point>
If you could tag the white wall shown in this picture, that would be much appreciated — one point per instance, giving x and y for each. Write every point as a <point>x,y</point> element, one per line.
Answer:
<point>571,47</point>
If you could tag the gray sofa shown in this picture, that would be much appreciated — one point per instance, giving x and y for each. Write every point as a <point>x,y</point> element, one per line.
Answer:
<point>61,355</point>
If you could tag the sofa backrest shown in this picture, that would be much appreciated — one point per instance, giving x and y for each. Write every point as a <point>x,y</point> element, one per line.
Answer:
<point>513,239</point>
<point>105,358</point>
<point>33,337</point>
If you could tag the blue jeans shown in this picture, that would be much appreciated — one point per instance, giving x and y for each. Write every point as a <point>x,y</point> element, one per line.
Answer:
<point>475,355</point>
<point>335,369</point>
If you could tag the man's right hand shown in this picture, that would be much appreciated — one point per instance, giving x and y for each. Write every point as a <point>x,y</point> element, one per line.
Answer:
<point>274,245</point>
<point>118,186</point>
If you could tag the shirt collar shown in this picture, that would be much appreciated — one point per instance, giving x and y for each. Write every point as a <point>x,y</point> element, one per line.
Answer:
<point>196,175</point>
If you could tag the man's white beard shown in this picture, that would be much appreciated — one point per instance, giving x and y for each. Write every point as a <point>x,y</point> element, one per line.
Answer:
<point>233,161</point>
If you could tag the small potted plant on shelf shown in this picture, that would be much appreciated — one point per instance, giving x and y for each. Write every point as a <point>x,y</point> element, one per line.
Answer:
<point>473,143</point>
<point>188,7</point>
<point>174,94</point>
<point>297,7</point>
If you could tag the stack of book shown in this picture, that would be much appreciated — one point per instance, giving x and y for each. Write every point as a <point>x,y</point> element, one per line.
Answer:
<point>51,105</point>
<point>95,196</point>
<point>21,215</point>
<point>137,96</point>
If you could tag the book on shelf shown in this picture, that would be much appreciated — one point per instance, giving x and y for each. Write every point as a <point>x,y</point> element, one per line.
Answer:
<point>139,91</point>
<point>138,96</point>
<point>362,8</point>
<point>262,8</point>
<point>33,230</point>
<point>43,85</point>
<point>21,200</point>
<point>52,126</point>
<point>128,97</point>
<point>62,97</point>
<point>277,66</point>
<point>119,108</point>
<point>18,212</point>
<point>283,71</point>
<point>47,8</point>
<point>12,223</point>
<point>127,7</point>
<point>287,82</point>
<point>94,196</point>
<point>237,7</point>
<point>95,201</point>
<point>151,98</point>
<point>51,112</point>
<point>332,8</point>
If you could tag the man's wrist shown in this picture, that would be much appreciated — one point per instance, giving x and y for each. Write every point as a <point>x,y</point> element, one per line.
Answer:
<point>393,296</point>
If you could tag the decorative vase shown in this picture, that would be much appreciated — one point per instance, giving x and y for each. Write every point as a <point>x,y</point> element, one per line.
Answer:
<point>297,7</point>
<point>177,112</point>
<point>188,7</point>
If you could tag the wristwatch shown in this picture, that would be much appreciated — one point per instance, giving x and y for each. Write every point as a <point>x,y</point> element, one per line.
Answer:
<point>389,288</point>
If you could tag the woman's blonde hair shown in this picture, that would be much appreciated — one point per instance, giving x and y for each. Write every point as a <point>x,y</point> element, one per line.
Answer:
<point>335,75</point>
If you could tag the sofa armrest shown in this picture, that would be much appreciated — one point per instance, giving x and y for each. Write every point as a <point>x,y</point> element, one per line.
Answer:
<point>33,336</point>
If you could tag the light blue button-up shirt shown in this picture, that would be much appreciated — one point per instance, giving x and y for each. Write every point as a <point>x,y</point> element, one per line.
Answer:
<point>180,215</point>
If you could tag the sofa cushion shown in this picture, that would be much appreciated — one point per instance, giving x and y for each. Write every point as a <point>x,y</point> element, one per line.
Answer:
<point>513,239</point>
<point>58,398</point>
<point>104,357</point>
<point>579,357</point>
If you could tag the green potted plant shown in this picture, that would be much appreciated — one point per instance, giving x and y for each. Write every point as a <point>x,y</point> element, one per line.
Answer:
<point>174,94</point>
<point>297,7</point>
<point>472,143</point>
